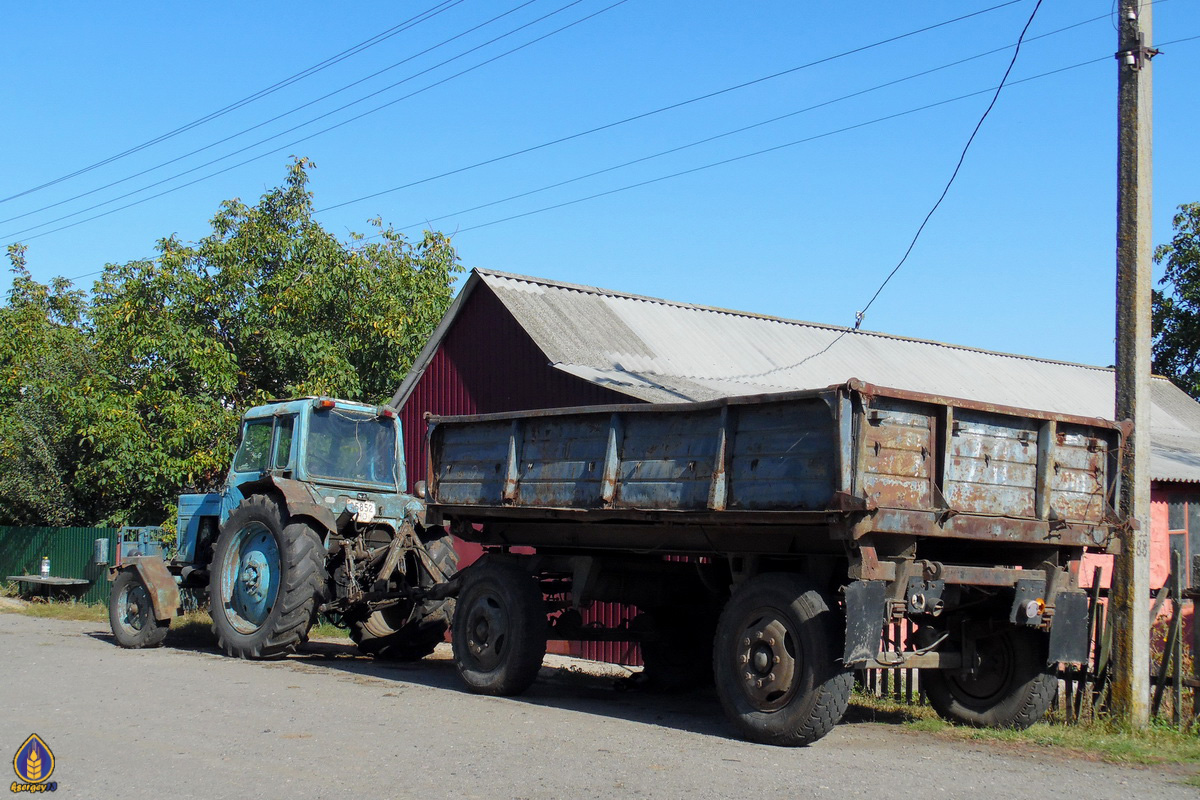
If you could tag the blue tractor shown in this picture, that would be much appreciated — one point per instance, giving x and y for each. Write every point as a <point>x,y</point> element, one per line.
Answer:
<point>312,519</point>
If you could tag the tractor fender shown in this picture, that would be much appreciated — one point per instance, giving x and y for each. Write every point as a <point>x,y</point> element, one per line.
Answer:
<point>159,583</point>
<point>297,500</point>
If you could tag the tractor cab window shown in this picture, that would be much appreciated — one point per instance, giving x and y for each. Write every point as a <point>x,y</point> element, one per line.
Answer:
<point>283,442</point>
<point>352,447</point>
<point>256,443</point>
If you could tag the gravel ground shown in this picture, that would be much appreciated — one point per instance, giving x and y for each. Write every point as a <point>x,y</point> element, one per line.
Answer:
<point>183,723</point>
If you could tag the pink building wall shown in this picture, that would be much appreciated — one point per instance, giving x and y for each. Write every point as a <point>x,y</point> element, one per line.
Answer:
<point>1161,494</point>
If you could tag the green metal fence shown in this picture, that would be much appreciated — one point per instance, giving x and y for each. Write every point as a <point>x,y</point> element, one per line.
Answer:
<point>71,552</point>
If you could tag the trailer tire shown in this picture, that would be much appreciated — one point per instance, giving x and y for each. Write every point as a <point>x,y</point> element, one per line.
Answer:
<point>131,613</point>
<point>266,581</point>
<point>777,661</point>
<point>398,633</point>
<point>1013,687</point>
<point>499,629</point>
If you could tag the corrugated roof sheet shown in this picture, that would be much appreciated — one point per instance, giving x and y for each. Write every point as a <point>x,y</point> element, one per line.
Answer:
<point>662,351</point>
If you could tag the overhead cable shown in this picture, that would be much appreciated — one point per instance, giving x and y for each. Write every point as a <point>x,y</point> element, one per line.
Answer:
<point>261,93</point>
<point>256,127</point>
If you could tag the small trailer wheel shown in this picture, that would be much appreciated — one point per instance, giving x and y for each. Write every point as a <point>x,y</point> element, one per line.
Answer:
<point>1012,687</point>
<point>499,629</point>
<point>131,613</point>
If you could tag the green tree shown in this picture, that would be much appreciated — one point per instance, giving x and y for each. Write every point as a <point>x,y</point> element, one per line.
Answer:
<point>43,351</point>
<point>1177,309</point>
<point>268,305</point>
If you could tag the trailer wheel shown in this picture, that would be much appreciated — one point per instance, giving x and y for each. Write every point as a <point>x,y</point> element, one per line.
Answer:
<point>400,633</point>
<point>499,629</point>
<point>777,662</point>
<point>266,579</point>
<point>1012,688</point>
<point>131,613</point>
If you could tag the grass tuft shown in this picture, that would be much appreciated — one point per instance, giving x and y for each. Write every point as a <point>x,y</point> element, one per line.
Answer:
<point>70,609</point>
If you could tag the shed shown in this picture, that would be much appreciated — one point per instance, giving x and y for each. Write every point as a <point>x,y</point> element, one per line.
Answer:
<point>512,342</point>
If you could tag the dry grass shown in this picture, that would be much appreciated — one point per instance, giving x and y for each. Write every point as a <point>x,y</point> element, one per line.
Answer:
<point>69,609</point>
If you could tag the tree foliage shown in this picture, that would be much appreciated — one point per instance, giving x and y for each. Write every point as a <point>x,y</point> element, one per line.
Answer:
<point>168,352</point>
<point>1177,309</point>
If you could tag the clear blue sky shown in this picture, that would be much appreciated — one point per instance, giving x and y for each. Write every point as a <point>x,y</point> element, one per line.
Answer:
<point>1019,258</point>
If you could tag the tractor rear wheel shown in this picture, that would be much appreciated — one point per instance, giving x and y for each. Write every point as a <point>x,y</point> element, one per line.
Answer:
<point>266,581</point>
<point>401,633</point>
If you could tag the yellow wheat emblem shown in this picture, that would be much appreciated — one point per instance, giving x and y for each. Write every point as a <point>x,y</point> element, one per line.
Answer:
<point>33,763</point>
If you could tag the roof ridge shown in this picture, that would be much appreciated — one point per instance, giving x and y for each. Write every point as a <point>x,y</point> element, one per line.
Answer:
<point>780,320</point>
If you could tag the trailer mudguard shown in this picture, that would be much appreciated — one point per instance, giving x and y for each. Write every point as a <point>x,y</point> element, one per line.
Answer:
<point>866,608</point>
<point>1069,629</point>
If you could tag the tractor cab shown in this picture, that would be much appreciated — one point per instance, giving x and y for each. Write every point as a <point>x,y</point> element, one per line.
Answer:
<point>334,460</point>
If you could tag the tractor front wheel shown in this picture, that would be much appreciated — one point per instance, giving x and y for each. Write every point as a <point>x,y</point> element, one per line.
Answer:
<point>131,613</point>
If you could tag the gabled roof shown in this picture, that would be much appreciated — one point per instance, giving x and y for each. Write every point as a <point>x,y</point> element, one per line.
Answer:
<point>662,351</point>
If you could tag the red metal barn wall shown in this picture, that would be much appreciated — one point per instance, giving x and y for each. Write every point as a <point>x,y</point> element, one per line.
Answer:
<point>487,363</point>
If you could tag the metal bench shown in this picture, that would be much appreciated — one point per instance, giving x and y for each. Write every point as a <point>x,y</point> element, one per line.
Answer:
<point>36,585</point>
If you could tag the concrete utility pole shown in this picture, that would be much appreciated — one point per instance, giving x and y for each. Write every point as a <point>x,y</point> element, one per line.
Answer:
<point>1130,593</point>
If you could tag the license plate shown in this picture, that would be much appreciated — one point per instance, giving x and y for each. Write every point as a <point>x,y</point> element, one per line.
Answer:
<point>363,510</point>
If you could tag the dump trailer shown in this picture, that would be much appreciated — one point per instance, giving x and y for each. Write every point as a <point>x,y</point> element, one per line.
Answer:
<point>767,541</point>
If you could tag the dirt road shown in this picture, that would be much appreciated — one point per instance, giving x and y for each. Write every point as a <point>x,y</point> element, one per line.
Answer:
<point>186,723</point>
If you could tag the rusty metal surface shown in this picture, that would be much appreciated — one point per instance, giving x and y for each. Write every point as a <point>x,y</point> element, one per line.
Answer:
<point>164,593</point>
<point>920,467</point>
<point>541,343</point>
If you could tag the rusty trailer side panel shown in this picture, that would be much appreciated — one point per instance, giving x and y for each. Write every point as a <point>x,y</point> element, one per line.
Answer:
<point>881,460</point>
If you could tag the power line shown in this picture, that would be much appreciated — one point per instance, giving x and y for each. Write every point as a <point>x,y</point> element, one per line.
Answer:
<point>745,128</point>
<point>428,14</point>
<point>772,149</point>
<point>764,151</point>
<point>1103,59</point>
<point>260,125</point>
<point>858,317</point>
<point>670,107</point>
<point>317,133</point>
<point>479,164</point>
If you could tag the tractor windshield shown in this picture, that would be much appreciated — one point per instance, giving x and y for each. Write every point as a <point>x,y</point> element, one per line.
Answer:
<point>352,447</point>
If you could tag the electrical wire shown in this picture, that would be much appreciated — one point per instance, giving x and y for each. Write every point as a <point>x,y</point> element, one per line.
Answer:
<point>360,244</point>
<point>672,106</point>
<point>607,126</point>
<point>772,149</point>
<point>428,14</point>
<point>858,317</point>
<point>742,129</point>
<point>275,118</point>
<point>252,145</point>
<point>363,242</point>
<point>756,153</point>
